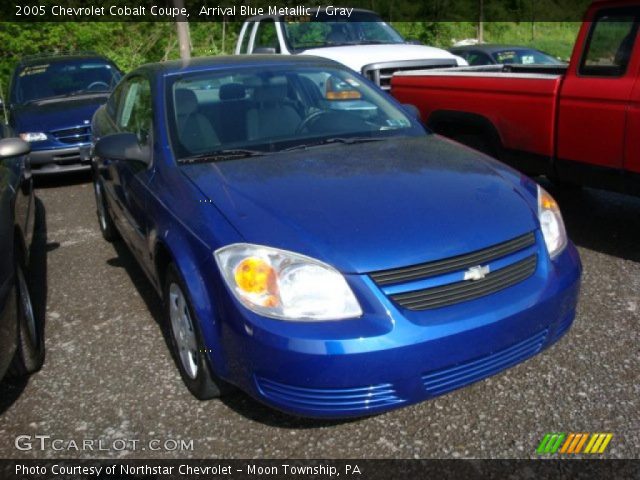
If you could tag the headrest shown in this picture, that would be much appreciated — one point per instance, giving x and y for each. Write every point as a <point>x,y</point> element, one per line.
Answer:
<point>186,102</point>
<point>274,91</point>
<point>232,91</point>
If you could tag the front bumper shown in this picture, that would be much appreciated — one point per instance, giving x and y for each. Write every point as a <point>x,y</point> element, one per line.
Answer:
<point>60,160</point>
<point>392,357</point>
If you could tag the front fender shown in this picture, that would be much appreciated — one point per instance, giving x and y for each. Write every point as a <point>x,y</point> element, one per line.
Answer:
<point>197,270</point>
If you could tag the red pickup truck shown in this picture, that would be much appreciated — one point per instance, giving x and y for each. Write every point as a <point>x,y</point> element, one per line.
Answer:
<point>578,124</point>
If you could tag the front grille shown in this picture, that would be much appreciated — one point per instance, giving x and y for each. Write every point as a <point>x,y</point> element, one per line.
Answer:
<point>381,73</point>
<point>452,264</point>
<point>81,134</point>
<point>466,290</point>
<point>330,399</point>
<point>447,379</point>
<point>66,158</point>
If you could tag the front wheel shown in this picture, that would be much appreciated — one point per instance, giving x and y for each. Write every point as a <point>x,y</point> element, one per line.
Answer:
<point>186,342</point>
<point>29,355</point>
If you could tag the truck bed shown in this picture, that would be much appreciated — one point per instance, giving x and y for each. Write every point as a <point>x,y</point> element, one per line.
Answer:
<point>520,101</point>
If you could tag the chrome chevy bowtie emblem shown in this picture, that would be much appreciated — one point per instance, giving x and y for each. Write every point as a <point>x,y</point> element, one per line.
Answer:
<point>477,273</point>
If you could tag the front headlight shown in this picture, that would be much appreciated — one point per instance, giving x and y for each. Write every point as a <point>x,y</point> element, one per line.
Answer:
<point>285,285</point>
<point>33,136</point>
<point>551,224</point>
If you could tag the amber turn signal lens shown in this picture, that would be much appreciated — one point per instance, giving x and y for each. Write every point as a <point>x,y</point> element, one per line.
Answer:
<point>344,95</point>
<point>547,202</point>
<point>340,91</point>
<point>254,275</point>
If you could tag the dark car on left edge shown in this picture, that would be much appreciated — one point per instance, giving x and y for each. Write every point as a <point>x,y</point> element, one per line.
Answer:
<point>51,101</point>
<point>21,327</point>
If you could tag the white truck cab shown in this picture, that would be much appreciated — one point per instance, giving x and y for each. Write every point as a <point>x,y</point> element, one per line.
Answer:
<point>362,41</point>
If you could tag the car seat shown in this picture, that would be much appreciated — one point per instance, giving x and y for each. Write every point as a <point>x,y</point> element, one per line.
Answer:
<point>273,114</point>
<point>195,132</point>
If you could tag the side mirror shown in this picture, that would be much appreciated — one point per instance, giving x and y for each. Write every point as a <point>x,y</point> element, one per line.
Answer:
<point>265,50</point>
<point>13,147</point>
<point>122,146</point>
<point>16,147</point>
<point>413,111</point>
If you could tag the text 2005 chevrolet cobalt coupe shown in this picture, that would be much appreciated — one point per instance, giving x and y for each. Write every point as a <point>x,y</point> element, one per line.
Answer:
<point>315,246</point>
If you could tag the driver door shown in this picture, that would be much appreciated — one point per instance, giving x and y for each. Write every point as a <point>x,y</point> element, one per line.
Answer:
<point>129,178</point>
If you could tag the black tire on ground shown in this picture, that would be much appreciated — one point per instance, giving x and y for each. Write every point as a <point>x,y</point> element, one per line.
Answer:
<point>29,355</point>
<point>477,142</point>
<point>564,184</point>
<point>200,381</point>
<point>107,227</point>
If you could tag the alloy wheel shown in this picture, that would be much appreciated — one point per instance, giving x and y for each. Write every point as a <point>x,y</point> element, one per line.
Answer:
<point>183,331</point>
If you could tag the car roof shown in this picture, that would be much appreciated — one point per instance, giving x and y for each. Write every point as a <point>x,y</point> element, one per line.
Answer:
<point>177,67</point>
<point>54,58</point>
<point>312,10</point>
<point>490,48</point>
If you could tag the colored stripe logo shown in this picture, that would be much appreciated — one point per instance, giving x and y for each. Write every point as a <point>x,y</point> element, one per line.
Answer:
<point>573,443</point>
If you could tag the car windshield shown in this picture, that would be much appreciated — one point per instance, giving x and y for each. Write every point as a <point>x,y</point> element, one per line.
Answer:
<point>361,28</point>
<point>215,115</point>
<point>525,57</point>
<point>63,78</point>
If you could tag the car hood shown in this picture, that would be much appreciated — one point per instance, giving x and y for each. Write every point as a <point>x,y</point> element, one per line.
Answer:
<point>56,113</point>
<point>357,56</point>
<point>372,206</point>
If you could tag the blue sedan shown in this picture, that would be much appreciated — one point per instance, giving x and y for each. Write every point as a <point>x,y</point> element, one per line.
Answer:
<point>315,246</point>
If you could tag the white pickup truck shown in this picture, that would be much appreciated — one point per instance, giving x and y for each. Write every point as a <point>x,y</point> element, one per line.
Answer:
<point>362,41</point>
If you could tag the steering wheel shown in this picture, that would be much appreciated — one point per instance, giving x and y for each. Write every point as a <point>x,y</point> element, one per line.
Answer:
<point>312,117</point>
<point>93,85</point>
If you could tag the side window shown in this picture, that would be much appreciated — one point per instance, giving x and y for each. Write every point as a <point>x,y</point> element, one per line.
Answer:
<point>114,99</point>
<point>266,36</point>
<point>610,43</point>
<point>478,58</point>
<point>244,46</point>
<point>134,110</point>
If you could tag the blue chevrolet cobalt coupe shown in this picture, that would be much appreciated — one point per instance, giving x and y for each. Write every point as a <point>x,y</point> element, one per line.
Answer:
<point>315,246</point>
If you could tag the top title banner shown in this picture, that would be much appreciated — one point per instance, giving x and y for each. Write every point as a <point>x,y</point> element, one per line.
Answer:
<point>238,11</point>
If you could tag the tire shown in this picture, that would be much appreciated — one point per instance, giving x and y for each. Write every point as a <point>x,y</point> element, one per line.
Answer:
<point>477,142</point>
<point>564,184</point>
<point>107,227</point>
<point>186,341</point>
<point>29,355</point>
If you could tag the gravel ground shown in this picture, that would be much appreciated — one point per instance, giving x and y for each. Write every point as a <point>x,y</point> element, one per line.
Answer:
<point>109,375</point>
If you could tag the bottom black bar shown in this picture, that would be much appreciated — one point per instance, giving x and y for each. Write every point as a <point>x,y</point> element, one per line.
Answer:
<point>318,469</point>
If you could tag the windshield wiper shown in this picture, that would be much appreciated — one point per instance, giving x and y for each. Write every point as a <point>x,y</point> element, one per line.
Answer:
<point>43,99</point>
<point>65,95</point>
<point>237,153</point>
<point>333,140</point>
<point>85,92</point>
<point>220,155</point>
<point>376,42</point>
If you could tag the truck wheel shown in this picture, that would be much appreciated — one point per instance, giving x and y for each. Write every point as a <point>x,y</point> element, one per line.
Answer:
<point>107,227</point>
<point>477,142</point>
<point>564,184</point>
<point>186,341</point>
<point>29,355</point>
